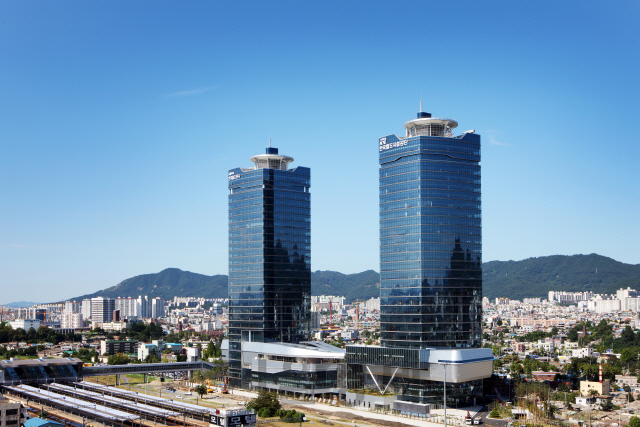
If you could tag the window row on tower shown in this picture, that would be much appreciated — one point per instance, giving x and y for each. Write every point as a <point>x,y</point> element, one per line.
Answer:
<point>429,250</point>
<point>278,230</point>
<point>267,204</point>
<point>263,194</point>
<point>266,215</point>
<point>415,156</point>
<point>261,237</point>
<point>429,202</point>
<point>241,258</point>
<point>429,168</point>
<point>260,207</point>
<point>429,220</point>
<point>430,185</point>
<point>436,286</point>
<point>257,247</point>
<point>430,265</point>
<point>429,193</point>
<point>430,211</point>
<point>429,275</point>
<point>430,176</point>
<point>435,229</point>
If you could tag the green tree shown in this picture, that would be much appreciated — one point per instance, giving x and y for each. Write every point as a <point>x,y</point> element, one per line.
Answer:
<point>31,334</point>
<point>43,332</point>
<point>201,390</point>
<point>628,355</point>
<point>118,359</point>
<point>634,422</point>
<point>210,351</point>
<point>266,404</point>
<point>495,413</point>
<point>628,336</point>
<point>572,335</point>
<point>152,358</point>
<point>516,370</point>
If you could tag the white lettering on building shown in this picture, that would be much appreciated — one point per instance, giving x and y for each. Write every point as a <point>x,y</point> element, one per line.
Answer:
<point>385,146</point>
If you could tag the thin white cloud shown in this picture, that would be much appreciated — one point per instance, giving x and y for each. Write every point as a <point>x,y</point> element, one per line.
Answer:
<point>494,141</point>
<point>21,246</point>
<point>190,92</point>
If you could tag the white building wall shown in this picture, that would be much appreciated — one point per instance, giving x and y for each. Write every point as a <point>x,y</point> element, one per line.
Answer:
<point>632,304</point>
<point>128,307</point>
<point>603,305</point>
<point>145,307</point>
<point>72,320</point>
<point>25,324</point>
<point>72,307</point>
<point>86,309</point>
<point>157,308</point>
<point>102,309</point>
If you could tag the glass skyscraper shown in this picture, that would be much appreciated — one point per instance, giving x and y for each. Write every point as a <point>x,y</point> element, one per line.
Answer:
<point>269,255</point>
<point>430,273</point>
<point>430,237</point>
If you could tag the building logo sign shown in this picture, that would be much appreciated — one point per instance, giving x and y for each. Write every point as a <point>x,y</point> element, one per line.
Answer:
<point>232,176</point>
<point>232,421</point>
<point>385,146</point>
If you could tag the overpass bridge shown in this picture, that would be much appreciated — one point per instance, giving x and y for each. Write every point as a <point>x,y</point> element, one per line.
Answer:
<point>146,368</point>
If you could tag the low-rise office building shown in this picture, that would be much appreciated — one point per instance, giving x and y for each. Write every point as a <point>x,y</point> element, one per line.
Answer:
<point>111,347</point>
<point>602,388</point>
<point>156,348</point>
<point>402,371</point>
<point>303,369</point>
<point>25,324</point>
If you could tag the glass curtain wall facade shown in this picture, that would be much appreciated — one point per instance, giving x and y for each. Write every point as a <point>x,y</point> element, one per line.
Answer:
<point>430,237</point>
<point>269,255</point>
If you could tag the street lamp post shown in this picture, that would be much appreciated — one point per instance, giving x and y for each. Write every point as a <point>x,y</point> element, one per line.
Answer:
<point>444,367</point>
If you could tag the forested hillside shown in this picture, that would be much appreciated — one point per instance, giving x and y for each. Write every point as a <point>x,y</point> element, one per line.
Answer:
<point>533,277</point>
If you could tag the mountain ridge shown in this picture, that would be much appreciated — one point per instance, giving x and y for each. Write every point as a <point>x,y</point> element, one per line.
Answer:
<point>531,277</point>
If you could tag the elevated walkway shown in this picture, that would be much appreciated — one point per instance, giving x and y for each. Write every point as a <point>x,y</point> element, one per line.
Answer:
<point>145,368</point>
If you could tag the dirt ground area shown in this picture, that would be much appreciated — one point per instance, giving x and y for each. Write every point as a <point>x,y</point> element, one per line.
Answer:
<point>343,415</point>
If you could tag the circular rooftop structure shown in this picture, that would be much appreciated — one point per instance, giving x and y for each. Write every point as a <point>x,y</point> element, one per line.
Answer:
<point>425,125</point>
<point>271,160</point>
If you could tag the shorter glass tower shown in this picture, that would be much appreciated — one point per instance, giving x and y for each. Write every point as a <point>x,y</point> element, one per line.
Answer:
<point>269,255</point>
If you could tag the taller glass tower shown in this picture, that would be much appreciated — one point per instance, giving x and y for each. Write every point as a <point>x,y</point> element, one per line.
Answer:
<point>430,237</point>
<point>269,255</point>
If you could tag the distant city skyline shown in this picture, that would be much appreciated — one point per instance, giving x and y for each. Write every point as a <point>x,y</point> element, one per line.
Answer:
<point>118,123</point>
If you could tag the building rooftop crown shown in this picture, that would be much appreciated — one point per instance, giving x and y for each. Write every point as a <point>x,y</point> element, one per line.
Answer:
<point>271,159</point>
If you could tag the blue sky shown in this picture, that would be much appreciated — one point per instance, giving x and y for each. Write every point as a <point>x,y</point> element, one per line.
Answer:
<point>120,120</point>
